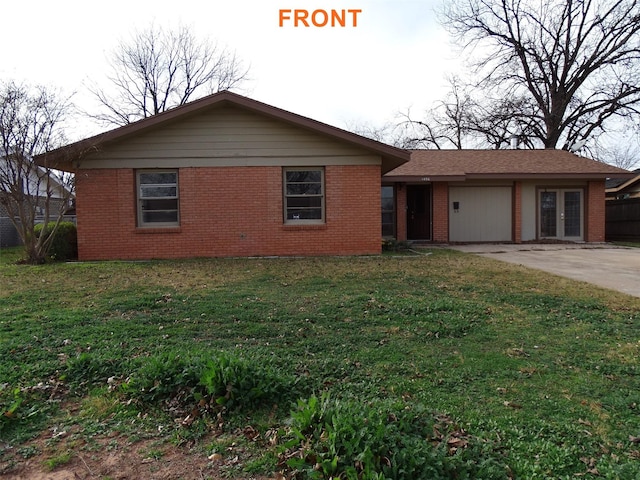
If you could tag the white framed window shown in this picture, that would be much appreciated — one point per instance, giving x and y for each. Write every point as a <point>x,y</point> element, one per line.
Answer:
<point>303,195</point>
<point>158,198</point>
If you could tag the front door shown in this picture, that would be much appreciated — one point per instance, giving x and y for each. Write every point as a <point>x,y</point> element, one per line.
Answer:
<point>561,214</point>
<point>419,212</point>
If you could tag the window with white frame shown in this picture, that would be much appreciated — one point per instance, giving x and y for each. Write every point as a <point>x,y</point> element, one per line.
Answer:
<point>303,195</point>
<point>157,195</point>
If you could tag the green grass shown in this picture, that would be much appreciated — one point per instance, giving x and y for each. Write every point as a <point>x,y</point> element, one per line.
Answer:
<point>628,244</point>
<point>446,363</point>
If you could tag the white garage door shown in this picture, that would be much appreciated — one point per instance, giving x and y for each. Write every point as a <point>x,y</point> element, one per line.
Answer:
<point>480,214</point>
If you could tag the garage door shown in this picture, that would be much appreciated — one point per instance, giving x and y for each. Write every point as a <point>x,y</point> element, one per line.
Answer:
<point>480,214</point>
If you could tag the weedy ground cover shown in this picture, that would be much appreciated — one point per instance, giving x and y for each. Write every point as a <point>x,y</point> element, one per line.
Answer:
<point>428,366</point>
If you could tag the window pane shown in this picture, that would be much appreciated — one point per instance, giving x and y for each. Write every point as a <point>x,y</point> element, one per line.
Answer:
<point>161,204</point>
<point>387,217</point>
<point>158,191</point>
<point>304,189</point>
<point>572,214</point>
<point>301,176</point>
<point>158,177</point>
<point>548,214</point>
<point>304,214</point>
<point>302,202</point>
<point>160,216</point>
<point>387,192</point>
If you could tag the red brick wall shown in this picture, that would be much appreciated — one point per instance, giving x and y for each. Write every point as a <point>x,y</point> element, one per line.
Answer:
<point>595,210</point>
<point>441,212</point>
<point>228,211</point>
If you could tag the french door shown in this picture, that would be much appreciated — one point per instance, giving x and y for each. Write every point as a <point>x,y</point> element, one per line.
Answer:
<point>561,214</point>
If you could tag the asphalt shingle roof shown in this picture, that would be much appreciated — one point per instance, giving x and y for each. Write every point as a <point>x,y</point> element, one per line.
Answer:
<point>462,164</point>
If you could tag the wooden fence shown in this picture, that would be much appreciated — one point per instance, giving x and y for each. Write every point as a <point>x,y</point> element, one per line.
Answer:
<point>623,220</point>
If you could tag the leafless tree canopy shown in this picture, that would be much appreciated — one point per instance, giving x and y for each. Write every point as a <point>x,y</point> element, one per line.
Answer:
<point>572,65</point>
<point>30,124</point>
<point>621,154</point>
<point>158,69</point>
<point>465,119</point>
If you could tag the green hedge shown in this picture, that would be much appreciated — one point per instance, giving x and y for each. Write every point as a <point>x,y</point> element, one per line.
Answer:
<point>65,242</point>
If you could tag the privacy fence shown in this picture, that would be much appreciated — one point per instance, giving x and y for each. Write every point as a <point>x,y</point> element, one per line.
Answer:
<point>623,220</point>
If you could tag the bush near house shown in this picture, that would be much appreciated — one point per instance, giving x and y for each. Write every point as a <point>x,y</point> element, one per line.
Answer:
<point>64,245</point>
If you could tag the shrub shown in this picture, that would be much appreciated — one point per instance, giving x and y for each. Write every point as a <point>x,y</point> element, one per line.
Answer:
<point>221,380</point>
<point>64,245</point>
<point>331,438</point>
<point>88,370</point>
<point>393,245</point>
<point>161,377</point>
<point>235,382</point>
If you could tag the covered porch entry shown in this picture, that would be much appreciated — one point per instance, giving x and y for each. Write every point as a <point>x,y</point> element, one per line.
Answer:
<point>409,212</point>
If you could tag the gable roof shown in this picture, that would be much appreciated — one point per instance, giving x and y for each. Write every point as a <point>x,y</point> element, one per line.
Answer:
<point>459,165</point>
<point>66,157</point>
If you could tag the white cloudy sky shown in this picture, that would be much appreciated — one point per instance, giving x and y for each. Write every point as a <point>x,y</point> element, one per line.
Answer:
<point>395,59</point>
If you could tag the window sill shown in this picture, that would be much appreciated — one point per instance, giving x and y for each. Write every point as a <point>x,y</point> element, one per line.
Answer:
<point>155,230</point>
<point>304,226</point>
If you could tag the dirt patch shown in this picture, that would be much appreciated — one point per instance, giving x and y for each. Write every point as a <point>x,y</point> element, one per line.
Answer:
<point>142,460</point>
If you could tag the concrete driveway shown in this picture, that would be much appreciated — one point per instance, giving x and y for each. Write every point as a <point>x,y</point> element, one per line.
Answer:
<point>608,266</point>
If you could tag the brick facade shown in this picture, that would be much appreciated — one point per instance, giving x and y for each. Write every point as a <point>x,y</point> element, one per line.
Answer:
<point>228,211</point>
<point>595,212</point>
<point>440,212</point>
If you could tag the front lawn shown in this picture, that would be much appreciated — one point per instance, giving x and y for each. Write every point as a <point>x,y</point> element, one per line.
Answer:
<point>444,365</point>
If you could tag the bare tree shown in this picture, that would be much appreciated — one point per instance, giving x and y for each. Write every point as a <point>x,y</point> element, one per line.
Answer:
<point>31,121</point>
<point>576,61</point>
<point>462,121</point>
<point>158,69</point>
<point>446,124</point>
<point>391,133</point>
<point>621,154</point>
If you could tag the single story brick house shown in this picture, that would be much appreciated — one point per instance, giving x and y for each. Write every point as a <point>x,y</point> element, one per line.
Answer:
<point>229,176</point>
<point>226,175</point>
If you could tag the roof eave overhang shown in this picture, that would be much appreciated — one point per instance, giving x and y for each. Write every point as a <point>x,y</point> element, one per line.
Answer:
<point>549,176</point>
<point>423,178</point>
<point>627,184</point>
<point>500,176</point>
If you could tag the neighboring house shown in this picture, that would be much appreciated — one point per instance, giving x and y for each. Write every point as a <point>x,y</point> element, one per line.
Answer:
<point>229,176</point>
<point>622,189</point>
<point>59,195</point>
<point>515,196</point>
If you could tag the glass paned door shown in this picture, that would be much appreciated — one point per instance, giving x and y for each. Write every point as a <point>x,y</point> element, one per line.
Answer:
<point>572,214</point>
<point>561,214</point>
<point>548,214</point>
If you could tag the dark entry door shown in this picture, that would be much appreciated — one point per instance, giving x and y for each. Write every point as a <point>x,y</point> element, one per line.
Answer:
<point>419,212</point>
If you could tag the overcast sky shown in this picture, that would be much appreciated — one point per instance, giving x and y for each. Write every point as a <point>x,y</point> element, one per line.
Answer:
<point>395,59</point>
